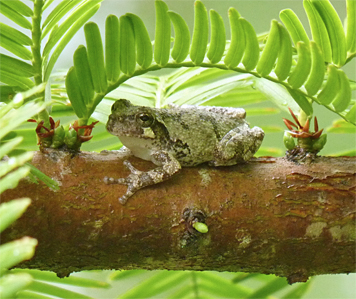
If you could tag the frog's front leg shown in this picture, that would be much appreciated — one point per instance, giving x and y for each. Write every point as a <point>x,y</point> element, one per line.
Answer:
<point>168,166</point>
<point>238,145</point>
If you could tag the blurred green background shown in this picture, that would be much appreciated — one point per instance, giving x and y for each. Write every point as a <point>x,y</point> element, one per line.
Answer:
<point>259,13</point>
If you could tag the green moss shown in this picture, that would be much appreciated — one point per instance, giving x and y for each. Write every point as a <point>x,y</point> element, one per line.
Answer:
<point>343,233</point>
<point>315,229</point>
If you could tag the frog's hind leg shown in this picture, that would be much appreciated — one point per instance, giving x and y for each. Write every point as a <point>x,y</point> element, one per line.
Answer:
<point>237,146</point>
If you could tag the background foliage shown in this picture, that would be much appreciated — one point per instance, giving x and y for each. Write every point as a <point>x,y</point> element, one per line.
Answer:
<point>28,63</point>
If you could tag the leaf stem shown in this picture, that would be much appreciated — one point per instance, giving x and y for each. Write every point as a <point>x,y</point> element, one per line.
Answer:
<point>36,41</point>
<point>36,53</point>
<point>172,64</point>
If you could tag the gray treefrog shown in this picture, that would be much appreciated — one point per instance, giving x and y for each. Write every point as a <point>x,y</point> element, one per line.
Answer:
<point>180,136</point>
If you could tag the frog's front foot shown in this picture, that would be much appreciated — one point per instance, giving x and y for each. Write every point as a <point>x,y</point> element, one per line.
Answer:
<point>134,181</point>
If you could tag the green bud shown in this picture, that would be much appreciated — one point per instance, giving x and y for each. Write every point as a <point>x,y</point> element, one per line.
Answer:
<point>70,138</point>
<point>288,141</point>
<point>319,143</point>
<point>58,137</point>
<point>201,227</point>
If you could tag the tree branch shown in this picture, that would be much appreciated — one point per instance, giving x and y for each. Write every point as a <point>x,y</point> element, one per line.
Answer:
<point>268,216</point>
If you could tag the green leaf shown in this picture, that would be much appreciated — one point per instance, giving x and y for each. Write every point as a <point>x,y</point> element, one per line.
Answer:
<point>277,94</point>
<point>143,42</point>
<point>80,17</point>
<point>301,71</point>
<point>83,74</point>
<point>335,30</point>
<point>17,251</point>
<point>351,26</point>
<point>317,73</point>
<point>123,274</point>
<point>14,162</point>
<point>162,34</point>
<point>187,77</point>
<point>15,48</point>
<point>297,292</point>
<point>15,66</point>
<point>15,35</point>
<point>68,23</point>
<point>74,94</point>
<point>95,57</point>
<point>343,97</point>
<point>30,295</point>
<point>181,45</point>
<point>331,87</point>
<point>19,7</point>
<point>10,285</point>
<point>72,280</point>
<point>127,46</point>
<point>13,15</point>
<point>47,4</point>
<point>318,29</point>
<point>351,114</point>
<point>294,26</point>
<point>42,177</point>
<point>195,96</point>
<point>200,33</point>
<point>218,37</point>
<point>216,285</point>
<point>7,146</point>
<point>45,288</point>
<point>10,119</point>
<point>112,48</point>
<point>302,101</point>
<point>57,14</point>
<point>252,50</point>
<point>284,61</point>
<point>161,281</point>
<point>273,286</point>
<point>270,52</point>
<point>12,210</point>
<point>237,44</point>
<point>22,82</point>
<point>11,180</point>
<point>182,292</point>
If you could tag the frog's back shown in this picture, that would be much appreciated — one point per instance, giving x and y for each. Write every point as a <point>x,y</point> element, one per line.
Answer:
<point>194,132</point>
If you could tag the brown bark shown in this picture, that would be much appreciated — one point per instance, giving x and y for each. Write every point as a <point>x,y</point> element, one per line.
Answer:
<point>268,216</point>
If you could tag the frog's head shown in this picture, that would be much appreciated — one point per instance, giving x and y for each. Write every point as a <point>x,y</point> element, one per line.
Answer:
<point>128,120</point>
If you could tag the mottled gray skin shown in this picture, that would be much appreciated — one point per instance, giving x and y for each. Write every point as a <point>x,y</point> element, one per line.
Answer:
<point>180,136</point>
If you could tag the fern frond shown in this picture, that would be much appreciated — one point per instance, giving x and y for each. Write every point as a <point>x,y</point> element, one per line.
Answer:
<point>65,32</point>
<point>46,284</point>
<point>17,12</point>
<point>200,34</point>
<point>205,284</point>
<point>306,79</point>
<point>62,23</point>
<point>182,37</point>
<point>127,50</point>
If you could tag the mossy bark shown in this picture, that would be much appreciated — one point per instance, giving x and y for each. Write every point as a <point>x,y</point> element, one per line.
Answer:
<point>268,216</point>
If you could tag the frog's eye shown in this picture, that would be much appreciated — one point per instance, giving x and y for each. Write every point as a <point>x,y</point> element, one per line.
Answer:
<point>144,119</point>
